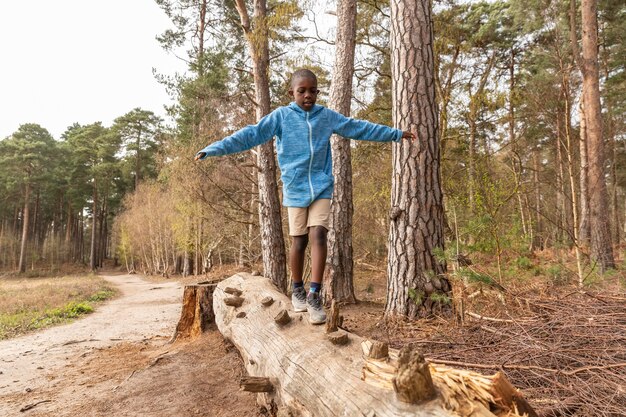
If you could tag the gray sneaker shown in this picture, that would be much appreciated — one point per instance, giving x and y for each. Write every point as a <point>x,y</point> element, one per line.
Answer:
<point>298,299</point>
<point>317,315</point>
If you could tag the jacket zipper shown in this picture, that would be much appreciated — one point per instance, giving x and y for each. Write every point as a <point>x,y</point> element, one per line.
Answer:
<point>311,158</point>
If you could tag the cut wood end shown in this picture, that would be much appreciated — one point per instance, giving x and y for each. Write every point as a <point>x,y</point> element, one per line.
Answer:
<point>233,291</point>
<point>375,349</point>
<point>267,301</point>
<point>256,384</point>
<point>282,318</point>
<point>338,338</point>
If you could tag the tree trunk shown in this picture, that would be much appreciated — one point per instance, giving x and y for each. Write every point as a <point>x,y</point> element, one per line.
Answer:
<point>560,222</point>
<point>585,232</point>
<point>416,280</point>
<point>270,221</point>
<point>338,280</point>
<point>601,247</point>
<point>352,379</point>
<point>572,181</point>
<point>583,226</point>
<point>516,162</point>
<point>25,215</point>
<point>138,159</point>
<point>92,251</point>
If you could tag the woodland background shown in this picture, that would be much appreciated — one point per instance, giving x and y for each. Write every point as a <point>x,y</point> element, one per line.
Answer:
<point>512,145</point>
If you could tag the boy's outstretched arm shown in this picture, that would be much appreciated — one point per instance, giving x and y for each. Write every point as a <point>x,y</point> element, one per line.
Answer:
<point>244,139</point>
<point>364,130</point>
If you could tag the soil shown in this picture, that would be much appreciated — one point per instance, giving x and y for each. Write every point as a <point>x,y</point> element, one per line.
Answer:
<point>118,361</point>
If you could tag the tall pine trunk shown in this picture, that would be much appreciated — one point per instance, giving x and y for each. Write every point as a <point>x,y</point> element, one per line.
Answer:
<point>584,234</point>
<point>270,221</point>
<point>93,263</point>
<point>416,280</point>
<point>338,280</point>
<point>25,217</point>
<point>601,247</point>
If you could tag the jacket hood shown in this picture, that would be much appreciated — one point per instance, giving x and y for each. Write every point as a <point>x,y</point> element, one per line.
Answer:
<point>316,109</point>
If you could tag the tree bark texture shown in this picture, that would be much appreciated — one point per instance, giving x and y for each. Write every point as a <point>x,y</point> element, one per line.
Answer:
<point>584,231</point>
<point>196,315</point>
<point>417,216</point>
<point>270,221</point>
<point>94,223</point>
<point>312,376</point>
<point>601,246</point>
<point>338,280</point>
<point>25,217</point>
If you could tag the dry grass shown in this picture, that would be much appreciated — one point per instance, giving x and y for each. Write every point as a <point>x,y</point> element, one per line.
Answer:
<point>27,304</point>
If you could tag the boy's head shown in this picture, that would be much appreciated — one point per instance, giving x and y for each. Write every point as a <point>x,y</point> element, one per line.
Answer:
<point>303,88</point>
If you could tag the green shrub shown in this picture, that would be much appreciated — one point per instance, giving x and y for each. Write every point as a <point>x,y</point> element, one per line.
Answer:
<point>524,263</point>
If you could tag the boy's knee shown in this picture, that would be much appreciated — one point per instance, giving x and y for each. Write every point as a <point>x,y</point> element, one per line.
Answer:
<point>318,235</point>
<point>299,243</point>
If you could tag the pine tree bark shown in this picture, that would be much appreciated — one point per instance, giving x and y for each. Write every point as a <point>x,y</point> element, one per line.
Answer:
<point>92,251</point>
<point>417,217</point>
<point>601,247</point>
<point>25,217</point>
<point>559,223</point>
<point>583,225</point>
<point>338,279</point>
<point>270,221</point>
<point>584,234</point>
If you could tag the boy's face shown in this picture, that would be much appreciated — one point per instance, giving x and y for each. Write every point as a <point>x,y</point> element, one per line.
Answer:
<point>304,92</point>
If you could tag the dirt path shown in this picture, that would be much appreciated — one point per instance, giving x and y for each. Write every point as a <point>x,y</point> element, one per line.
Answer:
<point>117,362</point>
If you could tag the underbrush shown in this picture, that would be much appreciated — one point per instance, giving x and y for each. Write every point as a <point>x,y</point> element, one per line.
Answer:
<point>563,345</point>
<point>28,304</point>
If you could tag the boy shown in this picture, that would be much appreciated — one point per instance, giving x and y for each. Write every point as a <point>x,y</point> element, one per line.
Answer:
<point>303,130</point>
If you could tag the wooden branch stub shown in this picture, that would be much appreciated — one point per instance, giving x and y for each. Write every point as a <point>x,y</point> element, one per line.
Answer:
<point>241,314</point>
<point>256,384</point>
<point>255,274</point>
<point>267,301</point>
<point>395,212</point>
<point>282,318</point>
<point>507,397</point>
<point>374,349</point>
<point>338,338</point>
<point>332,322</point>
<point>233,291</point>
<point>413,383</point>
<point>235,301</point>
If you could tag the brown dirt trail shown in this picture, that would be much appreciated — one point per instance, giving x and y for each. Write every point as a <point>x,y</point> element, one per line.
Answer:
<point>117,362</point>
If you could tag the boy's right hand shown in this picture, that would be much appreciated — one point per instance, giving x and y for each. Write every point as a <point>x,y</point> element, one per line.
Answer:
<point>199,156</point>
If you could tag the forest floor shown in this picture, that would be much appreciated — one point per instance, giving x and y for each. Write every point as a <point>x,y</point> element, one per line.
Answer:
<point>565,348</point>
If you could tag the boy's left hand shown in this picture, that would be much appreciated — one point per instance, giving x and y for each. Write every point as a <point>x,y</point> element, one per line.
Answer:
<point>408,135</point>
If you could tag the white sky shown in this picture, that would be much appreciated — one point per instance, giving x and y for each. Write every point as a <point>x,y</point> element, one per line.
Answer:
<point>82,61</point>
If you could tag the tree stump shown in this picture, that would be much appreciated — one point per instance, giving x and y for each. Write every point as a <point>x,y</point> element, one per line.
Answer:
<point>312,376</point>
<point>196,315</point>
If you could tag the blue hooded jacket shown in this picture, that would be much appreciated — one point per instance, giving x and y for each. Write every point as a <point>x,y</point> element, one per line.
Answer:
<point>303,147</point>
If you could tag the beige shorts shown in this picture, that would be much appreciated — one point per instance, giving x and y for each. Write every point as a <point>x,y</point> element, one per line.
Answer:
<point>301,218</point>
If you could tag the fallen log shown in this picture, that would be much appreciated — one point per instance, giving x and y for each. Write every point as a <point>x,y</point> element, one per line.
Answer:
<point>312,376</point>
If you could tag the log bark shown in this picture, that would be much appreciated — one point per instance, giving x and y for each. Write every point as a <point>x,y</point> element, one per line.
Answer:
<point>196,315</point>
<point>312,376</point>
